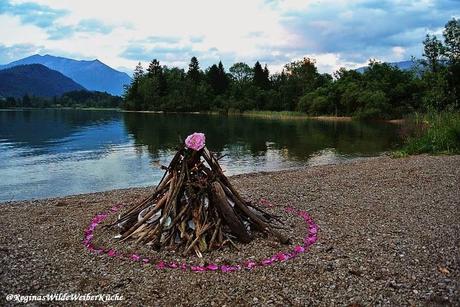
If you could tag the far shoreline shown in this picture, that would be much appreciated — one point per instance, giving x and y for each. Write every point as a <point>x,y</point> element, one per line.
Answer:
<point>281,115</point>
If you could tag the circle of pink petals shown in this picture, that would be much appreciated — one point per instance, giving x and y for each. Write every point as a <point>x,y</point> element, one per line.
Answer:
<point>309,239</point>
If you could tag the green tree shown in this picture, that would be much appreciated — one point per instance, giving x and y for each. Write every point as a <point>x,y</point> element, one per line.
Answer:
<point>132,96</point>
<point>266,77</point>
<point>260,77</point>
<point>223,79</point>
<point>452,41</point>
<point>217,79</point>
<point>194,72</point>
<point>241,72</point>
<point>154,69</point>
<point>304,73</point>
<point>451,35</point>
<point>432,51</point>
<point>138,72</point>
<point>212,75</point>
<point>26,101</point>
<point>158,80</point>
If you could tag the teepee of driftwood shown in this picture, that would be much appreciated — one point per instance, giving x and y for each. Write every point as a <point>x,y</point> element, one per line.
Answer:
<point>195,208</point>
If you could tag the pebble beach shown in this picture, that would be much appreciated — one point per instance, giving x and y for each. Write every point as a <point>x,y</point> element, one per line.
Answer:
<point>389,235</point>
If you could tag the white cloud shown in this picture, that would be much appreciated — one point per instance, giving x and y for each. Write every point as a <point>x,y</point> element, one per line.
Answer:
<point>275,30</point>
<point>398,52</point>
<point>220,24</point>
<point>12,31</point>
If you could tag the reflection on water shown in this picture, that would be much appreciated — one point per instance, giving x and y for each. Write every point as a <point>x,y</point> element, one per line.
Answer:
<point>45,153</point>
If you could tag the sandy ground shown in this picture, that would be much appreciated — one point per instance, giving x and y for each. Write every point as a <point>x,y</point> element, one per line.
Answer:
<point>389,234</point>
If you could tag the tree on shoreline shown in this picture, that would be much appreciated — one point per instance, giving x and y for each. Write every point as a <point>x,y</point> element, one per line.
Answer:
<point>381,91</point>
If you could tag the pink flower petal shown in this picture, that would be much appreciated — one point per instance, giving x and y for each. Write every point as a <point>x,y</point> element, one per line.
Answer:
<point>267,261</point>
<point>310,240</point>
<point>111,253</point>
<point>212,267</point>
<point>160,265</point>
<point>224,268</point>
<point>198,268</point>
<point>313,229</point>
<point>173,265</point>
<point>282,257</point>
<point>135,257</point>
<point>299,249</point>
<point>250,264</point>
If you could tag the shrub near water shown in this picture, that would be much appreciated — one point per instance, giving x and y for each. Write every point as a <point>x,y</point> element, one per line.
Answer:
<point>436,133</point>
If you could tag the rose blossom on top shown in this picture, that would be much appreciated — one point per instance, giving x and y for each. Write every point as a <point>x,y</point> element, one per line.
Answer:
<point>195,141</point>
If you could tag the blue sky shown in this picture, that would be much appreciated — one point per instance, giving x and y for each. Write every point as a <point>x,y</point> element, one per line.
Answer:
<point>337,33</point>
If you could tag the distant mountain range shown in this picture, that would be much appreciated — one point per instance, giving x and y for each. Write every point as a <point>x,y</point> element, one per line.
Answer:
<point>35,79</point>
<point>403,65</point>
<point>93,75</point>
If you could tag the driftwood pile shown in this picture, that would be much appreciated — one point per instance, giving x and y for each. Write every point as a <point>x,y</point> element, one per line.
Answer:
<point>194,208</point>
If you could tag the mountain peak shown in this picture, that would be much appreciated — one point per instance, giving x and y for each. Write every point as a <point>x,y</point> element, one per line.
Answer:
<point>93,74</point>
<point>403,65</point>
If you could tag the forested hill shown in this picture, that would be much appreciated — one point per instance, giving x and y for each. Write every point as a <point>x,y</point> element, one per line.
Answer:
<point>35,80</point>
<point>93,75</point>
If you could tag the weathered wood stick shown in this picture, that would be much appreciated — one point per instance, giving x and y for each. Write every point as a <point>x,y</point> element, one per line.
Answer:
<point>143,235</point>
<point>146,217</point>
<point>214,234</point>
<point>137,230</point>
<point>227,213</point>
<point>158,189</point>
<point>198,236</point>
<point>178,217</point>
<point>237,199</point>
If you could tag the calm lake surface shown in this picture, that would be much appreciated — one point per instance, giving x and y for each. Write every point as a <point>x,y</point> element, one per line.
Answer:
<point>47,153</point>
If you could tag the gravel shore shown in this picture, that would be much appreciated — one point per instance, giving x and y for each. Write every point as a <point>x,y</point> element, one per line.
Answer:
<point>389,234</point>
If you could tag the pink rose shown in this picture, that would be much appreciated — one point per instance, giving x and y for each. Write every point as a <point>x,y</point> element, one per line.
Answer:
<point>195,141</point>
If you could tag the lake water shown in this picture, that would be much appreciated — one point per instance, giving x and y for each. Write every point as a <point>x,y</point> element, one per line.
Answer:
<point>47,153</point>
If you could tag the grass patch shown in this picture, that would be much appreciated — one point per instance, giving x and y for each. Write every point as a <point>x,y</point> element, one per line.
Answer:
<point>433,133</point>
<point>287,115</point>
<point>274,114</point>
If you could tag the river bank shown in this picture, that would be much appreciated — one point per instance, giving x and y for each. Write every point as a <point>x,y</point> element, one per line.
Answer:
<point>388,234</point>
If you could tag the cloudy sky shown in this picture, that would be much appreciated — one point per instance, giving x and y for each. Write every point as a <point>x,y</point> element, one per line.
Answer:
<point>120,33</point>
